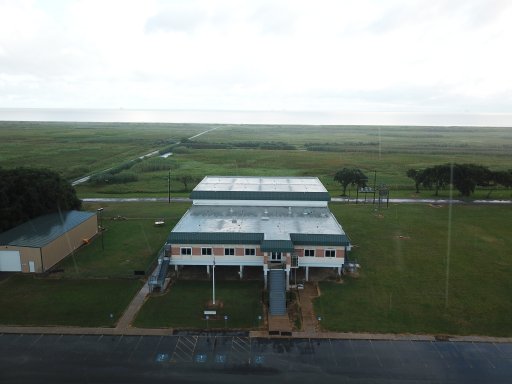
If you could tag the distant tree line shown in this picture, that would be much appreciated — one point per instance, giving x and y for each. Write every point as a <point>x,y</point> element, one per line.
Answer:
<point>272,145</point>
<point>464,177</point>
<point>26,193</point>
<point>340,147</point>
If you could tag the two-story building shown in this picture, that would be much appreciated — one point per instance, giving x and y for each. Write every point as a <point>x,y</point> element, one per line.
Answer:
<point>269,222</point>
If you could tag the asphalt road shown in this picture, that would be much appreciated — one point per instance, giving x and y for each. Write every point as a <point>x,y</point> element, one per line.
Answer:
<point>334,199</point>
<point>36,358</point>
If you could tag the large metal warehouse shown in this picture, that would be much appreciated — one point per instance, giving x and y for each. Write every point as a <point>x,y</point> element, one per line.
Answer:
<point>37,245</point>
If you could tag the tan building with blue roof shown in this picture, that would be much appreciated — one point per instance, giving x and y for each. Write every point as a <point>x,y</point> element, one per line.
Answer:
<point>38,244</point>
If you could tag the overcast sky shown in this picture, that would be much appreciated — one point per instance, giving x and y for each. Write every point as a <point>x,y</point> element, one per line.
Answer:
<point>422,56</point>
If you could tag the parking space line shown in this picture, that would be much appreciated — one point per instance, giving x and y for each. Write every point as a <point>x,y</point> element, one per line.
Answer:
<point>483,355</point>
<point>35,341</point>
<point>354,353</point>
<point>376,354</point>
<point>461,356</point>
<point>184,350</point>
<point>135,347</point>
<point>332,351</point>
<point>418,355</point>
<point>241,346</point>
<point>444,359</point>
<point>395,351</point>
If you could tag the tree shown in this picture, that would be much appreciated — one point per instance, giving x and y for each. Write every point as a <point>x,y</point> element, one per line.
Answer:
<point>467,176</point>
<point>417,176</point>
<point>26,193</point>
<point>186,180</point>
<point>350,176</point>
<point>436,177</point>
<point>503,178</point>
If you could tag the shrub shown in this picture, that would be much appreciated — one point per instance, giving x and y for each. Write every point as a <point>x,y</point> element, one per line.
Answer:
<point>109,178</point>
<point>155,164</point>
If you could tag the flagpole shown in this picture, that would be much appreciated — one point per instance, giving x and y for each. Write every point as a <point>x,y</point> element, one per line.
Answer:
<point>213,299</point>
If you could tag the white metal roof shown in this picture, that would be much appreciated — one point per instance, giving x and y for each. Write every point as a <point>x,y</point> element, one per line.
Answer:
<point>260,184</point>
<point>276,223</point>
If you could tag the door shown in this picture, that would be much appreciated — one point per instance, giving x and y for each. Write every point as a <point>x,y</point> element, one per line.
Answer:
<point>31,266</point>
<point>10,261</point>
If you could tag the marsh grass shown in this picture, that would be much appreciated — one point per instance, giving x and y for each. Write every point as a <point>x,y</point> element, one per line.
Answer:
<point>77,149</point>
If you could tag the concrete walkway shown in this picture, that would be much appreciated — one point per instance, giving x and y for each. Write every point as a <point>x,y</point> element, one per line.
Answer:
<point>306,296</point>
<point>279,324</point>
<point>53,330</point>
<point>131,311</point>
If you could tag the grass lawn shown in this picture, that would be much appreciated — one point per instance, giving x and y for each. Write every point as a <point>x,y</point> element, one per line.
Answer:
<point>26,300</point>
<point>182,306</point>
<point>402,285</point>
<point>129,245</point>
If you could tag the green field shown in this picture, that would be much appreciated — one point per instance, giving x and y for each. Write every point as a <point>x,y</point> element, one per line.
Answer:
<point>95,282</point>
<point>182,306</point>
<point>129,244</point>
<point>403,252</point>
<point>28,300</point>
<point>77,149</point>
<point>401,288</point>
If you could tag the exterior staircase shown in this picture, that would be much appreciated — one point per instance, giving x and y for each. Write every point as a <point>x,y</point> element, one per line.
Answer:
<point>277,292</point>
<point>157,278</point>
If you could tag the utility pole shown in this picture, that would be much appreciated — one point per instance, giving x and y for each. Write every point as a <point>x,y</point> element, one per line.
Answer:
<point>169,186</point>
<point>374,184</point>
<point>213,279</point>
<point>100,214</point>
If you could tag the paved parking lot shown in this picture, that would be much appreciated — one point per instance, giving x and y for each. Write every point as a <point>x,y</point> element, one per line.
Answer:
<point>30,358</point>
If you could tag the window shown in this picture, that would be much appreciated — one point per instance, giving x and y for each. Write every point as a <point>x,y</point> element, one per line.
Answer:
<point>229,251</point>
<point>309,252</point>
<point>275,256</point>
<point>185,251</point>
<point>250,252</point>
<point>206,251</point>
<point>330,253</point>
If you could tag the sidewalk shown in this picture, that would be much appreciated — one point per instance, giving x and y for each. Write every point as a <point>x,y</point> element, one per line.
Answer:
<point>134,307</point>
<point>306,296</point>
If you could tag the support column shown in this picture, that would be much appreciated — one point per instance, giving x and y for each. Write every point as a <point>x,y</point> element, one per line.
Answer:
<point>241,272</point>
<point>307,273</point>
<point>265,271</point>
<point>208,270</point>
<point>287,279</point>
<point>339,270</point>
